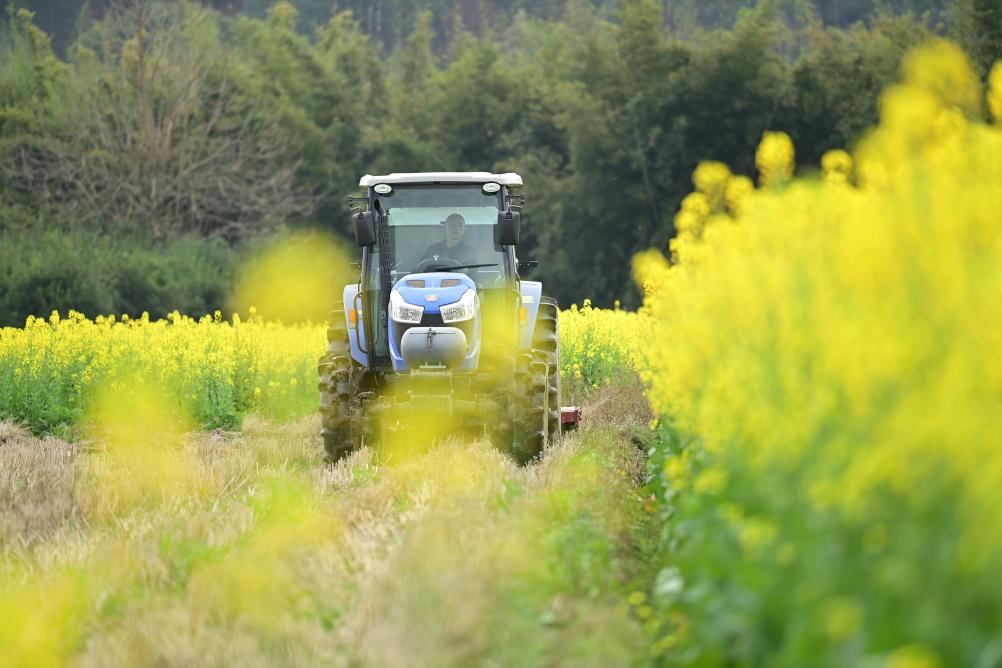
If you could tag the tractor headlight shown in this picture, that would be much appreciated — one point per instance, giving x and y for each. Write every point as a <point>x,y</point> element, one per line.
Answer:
<point>464,309</point>
<point>401,311</point>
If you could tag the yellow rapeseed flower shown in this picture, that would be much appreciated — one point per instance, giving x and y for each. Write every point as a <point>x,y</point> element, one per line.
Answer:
<point>774,159</point>
<point>995,92</point>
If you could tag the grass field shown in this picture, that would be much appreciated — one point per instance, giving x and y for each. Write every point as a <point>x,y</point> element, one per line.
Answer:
<point>259,555</point>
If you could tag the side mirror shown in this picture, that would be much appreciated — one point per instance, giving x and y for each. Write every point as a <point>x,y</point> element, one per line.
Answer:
<point>525,265</point>
<point>365,228</point>
<point>508,227</point>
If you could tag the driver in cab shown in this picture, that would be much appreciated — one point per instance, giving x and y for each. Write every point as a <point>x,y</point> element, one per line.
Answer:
<point>452,247</point>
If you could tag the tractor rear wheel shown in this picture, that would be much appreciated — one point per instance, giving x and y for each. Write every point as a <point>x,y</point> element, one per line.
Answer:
<point>547,339</point>
<point>537,425</point>
<point>335,392</point>
<point>531,424</point>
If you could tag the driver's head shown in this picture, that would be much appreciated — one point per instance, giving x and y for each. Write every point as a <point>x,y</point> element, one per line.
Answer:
<point>455,225</point>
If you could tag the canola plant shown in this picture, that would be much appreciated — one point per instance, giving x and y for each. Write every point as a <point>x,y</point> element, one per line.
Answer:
<point>214,371</point>
<point>217,371</point>
<point>599,346</point>
<point>826,362</point>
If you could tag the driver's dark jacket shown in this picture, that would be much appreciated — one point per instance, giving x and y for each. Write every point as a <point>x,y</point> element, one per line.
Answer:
<point>463,252</point>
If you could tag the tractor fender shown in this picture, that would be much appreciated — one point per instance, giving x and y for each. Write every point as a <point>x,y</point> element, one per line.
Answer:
<point>348,298</point>
<point>531,293</point>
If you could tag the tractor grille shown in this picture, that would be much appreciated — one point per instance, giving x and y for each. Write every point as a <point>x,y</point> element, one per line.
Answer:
<point>434,320</point>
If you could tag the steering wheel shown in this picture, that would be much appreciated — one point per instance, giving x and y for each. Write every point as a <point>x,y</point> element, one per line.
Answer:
<point>442,263</point>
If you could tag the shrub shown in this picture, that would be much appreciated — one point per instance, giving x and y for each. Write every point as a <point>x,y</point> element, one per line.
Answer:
<point>42,271</point>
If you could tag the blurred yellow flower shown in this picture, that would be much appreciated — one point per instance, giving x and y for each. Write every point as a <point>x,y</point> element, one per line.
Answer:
<point>774,159</point>
<point>995,92</point>
<point>836,166</point>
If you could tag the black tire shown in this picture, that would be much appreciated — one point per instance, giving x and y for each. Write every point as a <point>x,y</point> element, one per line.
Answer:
<point>502,435</point>
<point>537,423</point>
<point>547,339</point>
<point>531,428</point>
<point>335,369</point>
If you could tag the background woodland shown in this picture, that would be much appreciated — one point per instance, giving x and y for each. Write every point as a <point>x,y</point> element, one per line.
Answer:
<point>146,147</point>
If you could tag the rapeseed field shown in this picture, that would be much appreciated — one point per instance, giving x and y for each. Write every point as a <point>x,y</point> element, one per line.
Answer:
<point>826,362</point>
<point>214,371</point>
<point>823,479</point>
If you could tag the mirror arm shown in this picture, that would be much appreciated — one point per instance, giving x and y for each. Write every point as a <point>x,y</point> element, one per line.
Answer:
<point>511,199</point>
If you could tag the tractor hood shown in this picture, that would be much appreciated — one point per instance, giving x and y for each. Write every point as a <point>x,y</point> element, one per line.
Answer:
<point>433,290</point>
<point>434,323</point>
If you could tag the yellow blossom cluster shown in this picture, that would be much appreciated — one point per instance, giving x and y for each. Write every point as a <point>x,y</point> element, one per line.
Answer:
<point>774,159</point>
<point>600,345</point>
<point>215,370</point>
<point>826,354</point>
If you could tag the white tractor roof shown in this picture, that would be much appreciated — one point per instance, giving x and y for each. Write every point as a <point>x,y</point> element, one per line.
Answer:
<point>509,179</point>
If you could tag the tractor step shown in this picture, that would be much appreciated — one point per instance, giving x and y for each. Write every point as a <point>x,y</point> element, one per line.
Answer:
<point>570,417</point>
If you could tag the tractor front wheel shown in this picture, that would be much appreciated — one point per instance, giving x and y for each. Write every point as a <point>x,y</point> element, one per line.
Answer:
<point>335,392</point>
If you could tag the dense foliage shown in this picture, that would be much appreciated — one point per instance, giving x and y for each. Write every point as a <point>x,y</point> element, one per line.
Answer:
<point>168,118</point>
<point>601,346</point>
<point>825,362</point>
<point>98,274</point>
<point>389,22</point>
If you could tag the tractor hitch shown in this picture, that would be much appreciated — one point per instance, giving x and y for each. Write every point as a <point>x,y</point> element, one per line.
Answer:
<point>570,417</point>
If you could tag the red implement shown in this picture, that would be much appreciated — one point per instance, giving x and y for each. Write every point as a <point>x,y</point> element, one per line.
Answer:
<point>570,416</point>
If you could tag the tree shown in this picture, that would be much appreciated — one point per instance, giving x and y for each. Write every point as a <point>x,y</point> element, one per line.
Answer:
<point>977,25</point>
<point>836,86</point>
<point>417,60</point>
<point>317,96</point>
<point>151,134</point>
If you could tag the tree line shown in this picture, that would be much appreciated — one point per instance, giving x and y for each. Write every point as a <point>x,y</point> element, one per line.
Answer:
<point>389,22</point>
<point>165,121</point>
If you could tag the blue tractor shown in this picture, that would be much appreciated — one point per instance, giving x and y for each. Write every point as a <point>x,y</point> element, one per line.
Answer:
<point>440,322</point>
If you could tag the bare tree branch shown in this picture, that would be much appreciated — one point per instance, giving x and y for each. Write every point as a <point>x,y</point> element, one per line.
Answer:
<point>156,135</point>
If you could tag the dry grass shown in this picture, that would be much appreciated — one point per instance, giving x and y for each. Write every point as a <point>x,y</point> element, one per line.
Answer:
<point>259,555</point>
<point>36,486</point>
<point>618,405</point>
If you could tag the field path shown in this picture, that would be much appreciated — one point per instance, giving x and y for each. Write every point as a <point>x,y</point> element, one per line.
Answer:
<point>258,554</point>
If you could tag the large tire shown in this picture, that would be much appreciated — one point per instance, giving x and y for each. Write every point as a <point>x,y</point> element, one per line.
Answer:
<point>335,369</point>
<point>547,339</point>
<point>502,430</point>
<point>531,403</point>
<point>537,423</point>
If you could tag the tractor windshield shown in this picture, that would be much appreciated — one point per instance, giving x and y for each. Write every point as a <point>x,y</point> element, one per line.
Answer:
<point>444,228</point>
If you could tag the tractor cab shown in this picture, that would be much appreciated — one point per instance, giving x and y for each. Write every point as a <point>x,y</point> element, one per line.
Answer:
<point>438,250</point>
